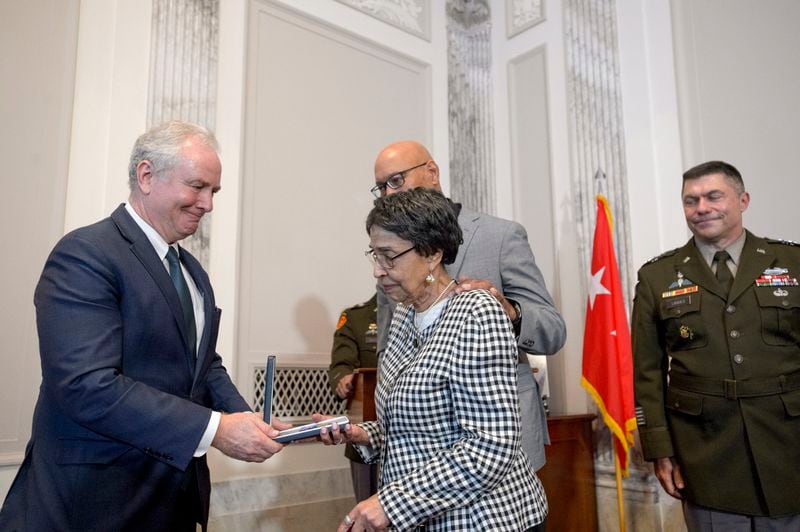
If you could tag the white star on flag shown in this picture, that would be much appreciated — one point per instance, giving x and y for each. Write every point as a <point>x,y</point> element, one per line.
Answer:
<point>596,287</point>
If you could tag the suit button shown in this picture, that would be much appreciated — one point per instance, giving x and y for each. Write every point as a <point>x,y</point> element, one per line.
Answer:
<point>738,358</point>
<point>734,334</point>
<point>676,404</point>
<point>731,309</point>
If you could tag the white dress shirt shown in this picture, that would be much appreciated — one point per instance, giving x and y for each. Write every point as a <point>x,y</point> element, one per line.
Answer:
<point>161,247</point>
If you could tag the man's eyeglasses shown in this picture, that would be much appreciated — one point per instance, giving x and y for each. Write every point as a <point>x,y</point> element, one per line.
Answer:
<point>387,263</point>
<point>394,181</point>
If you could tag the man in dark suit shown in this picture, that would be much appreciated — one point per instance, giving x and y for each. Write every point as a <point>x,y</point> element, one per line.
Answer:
<point>716,347</point>
<point>133,392</point>
<point>494,256</point>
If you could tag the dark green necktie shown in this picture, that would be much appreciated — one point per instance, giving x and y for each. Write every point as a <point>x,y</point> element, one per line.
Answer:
<point>724,275</point>
<point>183,294</point>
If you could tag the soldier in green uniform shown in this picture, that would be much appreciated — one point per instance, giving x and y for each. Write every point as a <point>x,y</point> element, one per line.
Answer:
<point>354,344</point>
<point>716,342</point>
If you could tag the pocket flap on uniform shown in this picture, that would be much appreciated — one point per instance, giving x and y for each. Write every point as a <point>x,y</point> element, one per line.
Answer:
<point>791,401</point>
<point>83,451</point>
<point>684,402</point>
<point>785,297</point>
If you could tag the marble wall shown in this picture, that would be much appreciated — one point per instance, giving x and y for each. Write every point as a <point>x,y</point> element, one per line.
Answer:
<point>183,77</point>
<point>289,503</point>
<point>469,80</point>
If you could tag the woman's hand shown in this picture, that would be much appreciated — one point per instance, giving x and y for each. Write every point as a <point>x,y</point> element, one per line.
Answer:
<point>367,515</point>
<point>334,436</point>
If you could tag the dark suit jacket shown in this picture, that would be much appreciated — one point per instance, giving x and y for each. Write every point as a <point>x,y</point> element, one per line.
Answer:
<point>730,412</point>
<point>497,250</point>
<point>123,404</point>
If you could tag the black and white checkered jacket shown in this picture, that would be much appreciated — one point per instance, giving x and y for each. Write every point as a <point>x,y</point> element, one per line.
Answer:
<point>448,434</point>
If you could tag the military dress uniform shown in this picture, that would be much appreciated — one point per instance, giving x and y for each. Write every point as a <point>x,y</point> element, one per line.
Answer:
<point>354,346</point>
<point>730,411</point>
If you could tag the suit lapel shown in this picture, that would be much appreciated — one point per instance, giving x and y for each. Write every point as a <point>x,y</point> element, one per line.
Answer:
<point>689,262</point>
<point>756,257</point>
<point>143,250</point>
<point>468,221</point>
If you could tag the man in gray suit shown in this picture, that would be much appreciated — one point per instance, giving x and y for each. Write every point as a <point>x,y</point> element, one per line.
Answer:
<point>495,256</point>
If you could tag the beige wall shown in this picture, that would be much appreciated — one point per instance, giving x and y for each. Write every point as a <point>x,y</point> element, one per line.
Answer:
<point>738,73</point>
<point>38,40</point>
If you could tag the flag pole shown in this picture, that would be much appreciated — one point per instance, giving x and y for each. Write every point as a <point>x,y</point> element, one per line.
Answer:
<point>620,503</point>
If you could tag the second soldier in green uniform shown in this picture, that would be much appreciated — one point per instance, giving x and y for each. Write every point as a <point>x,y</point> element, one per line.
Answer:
<point>354,346</point>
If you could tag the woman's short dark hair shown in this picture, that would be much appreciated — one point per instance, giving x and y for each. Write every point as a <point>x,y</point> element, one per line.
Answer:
<point>422,216</point>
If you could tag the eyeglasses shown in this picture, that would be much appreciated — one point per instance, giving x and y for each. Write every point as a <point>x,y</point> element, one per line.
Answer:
<point>394,181</point>
<point>387,263</point>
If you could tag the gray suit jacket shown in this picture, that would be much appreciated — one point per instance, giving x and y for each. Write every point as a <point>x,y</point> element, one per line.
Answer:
<point>498,251</point>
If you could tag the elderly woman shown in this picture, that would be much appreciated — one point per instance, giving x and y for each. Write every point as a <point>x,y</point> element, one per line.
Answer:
<point>447,435</point>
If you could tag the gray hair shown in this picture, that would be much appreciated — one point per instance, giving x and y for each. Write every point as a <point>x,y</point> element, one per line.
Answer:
<point>161,145</point>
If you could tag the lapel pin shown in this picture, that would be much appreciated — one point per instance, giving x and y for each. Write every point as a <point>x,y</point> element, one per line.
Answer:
<point>686,259</point>
<point>760,250</point>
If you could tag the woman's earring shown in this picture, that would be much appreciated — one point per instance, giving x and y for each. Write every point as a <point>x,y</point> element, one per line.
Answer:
<point>430,278</point>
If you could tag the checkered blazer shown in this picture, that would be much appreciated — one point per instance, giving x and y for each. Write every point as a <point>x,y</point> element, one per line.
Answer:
<point>448,431</point>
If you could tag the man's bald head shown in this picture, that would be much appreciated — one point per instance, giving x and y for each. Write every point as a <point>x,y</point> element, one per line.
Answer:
<point>405,165</point>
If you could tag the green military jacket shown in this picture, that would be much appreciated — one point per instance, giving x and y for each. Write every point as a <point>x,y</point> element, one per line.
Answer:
<point>354,346</point>
<point>730,411</point>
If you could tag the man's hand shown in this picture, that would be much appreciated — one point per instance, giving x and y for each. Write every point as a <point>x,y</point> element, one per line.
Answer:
<point>367,515</point>
<point>668,473</point>
<point>345,387</point>
<point>245,436</point>
<point>465,284</point>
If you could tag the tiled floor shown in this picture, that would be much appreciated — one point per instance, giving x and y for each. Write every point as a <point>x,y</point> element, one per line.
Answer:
<point>318,516</point>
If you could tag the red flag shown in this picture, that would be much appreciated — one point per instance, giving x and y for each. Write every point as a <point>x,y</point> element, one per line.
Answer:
<point>607,357</point>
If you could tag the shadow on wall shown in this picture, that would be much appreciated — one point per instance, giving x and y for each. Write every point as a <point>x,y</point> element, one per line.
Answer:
<point>312,319</point>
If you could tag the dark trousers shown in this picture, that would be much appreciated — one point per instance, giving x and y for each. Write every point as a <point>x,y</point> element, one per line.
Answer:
<point>702,519</point>
<point>365,480</point>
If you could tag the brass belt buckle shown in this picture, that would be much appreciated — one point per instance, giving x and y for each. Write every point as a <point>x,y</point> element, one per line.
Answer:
<point>730,388</point>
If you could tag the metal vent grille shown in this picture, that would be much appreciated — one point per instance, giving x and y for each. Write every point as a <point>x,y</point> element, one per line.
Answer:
<point>299,392</point>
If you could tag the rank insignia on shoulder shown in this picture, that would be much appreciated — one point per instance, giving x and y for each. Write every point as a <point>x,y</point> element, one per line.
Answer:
<point>680,291</point>
<point>342,321</point>
<point>781,241</point>
<point>663,255</point>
